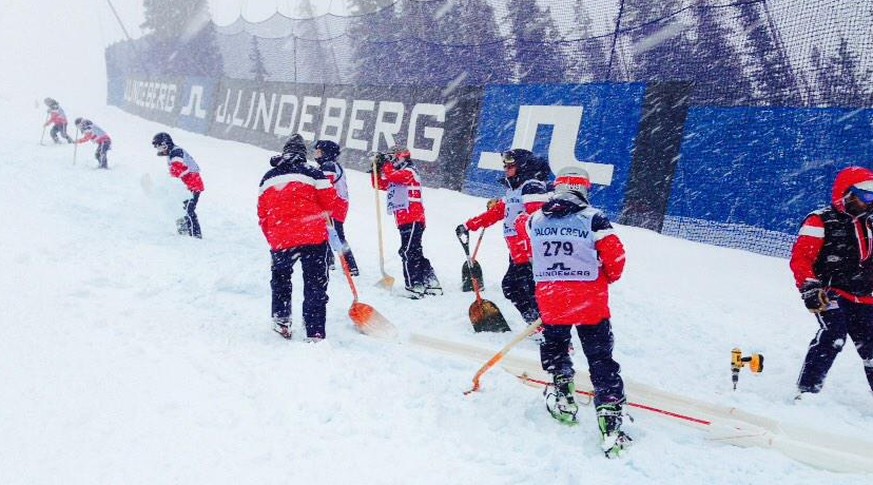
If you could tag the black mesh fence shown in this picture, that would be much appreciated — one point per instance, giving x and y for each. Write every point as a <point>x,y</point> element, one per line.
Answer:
<point>777,93</point>
<point>736,53</point>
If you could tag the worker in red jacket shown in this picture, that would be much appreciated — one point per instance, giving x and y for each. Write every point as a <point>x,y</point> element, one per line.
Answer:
<point>296,200</point>
<point>58,121</point>
<point>326,154</point>
<point>832,262</point>
<point>396,174</point>
<point>526,181</point>
<point>182,166</point>
<point>576,255</point>
<point>92,132</point>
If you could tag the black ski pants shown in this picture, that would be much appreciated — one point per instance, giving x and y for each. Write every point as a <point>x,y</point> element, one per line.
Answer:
<point>597,342</point>
<point>313,260</point>
<point>847,319</point>
<point>519,288</point>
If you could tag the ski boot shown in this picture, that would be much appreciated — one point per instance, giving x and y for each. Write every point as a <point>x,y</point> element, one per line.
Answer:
<point>560,400</point>
<point>614,440</point>
<point>183,226</point>
<point>433,287</point>
<point>414,292</point>
<point>283,328</point>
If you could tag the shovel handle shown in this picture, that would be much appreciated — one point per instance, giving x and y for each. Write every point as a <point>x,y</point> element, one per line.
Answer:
<point>493,361</point>
<point>478,244</point>
<point>348,273</point>
<point>464,239</point>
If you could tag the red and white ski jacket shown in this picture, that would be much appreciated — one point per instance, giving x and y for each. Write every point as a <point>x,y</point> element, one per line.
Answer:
<point>834,247</point>
<point>294,203</point>
<point>528,198</point>
<point>56,117</point>
<point>337,176</point>
<point>94,133</point>
<point>573,301</point>
<point>183,166</point>
<point>404,193</point>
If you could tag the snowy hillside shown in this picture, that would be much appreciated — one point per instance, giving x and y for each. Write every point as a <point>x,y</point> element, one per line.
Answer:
<point>131,355</point>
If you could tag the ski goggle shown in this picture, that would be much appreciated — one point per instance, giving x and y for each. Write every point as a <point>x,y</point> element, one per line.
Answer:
<point>865,196</point>
<point>508,161</point>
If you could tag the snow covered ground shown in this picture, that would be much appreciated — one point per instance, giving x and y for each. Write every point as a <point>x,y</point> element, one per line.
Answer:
<point>129,354</point>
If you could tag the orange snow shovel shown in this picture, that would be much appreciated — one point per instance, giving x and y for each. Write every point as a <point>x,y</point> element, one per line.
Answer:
<point>367,320</point>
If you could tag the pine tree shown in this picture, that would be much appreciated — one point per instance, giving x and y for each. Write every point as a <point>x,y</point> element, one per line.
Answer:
<point>588,56</point>
<point>182,37</point>
<point>773,76</point>
<point>822,90</point>
<point>316,59</point>
<point>374,37</point>
<point>718,69</point>
<point>534,44</point>
<point>475,50</point>
<point>258,70</point>
<point>660,44</point>
<point>167,19</point>
<point>843,78</point>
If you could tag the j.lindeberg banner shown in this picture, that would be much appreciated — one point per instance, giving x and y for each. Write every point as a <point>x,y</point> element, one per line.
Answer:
<point>436,125</point>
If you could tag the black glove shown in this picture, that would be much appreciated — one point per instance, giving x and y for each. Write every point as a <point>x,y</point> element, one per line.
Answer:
<point>491,203</point>
<point>462,231</point>
<point>378,162</point>
<point>381,160</point>
<point>814,296</point>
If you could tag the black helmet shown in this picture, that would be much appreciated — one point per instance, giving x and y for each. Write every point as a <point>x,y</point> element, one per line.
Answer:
<point>295,144</point>
<point>528,167</point>
<point>51,103</point>
<point>294,151</point>
<point>329,150</point>
<point>163,142</point>
<point>82,123</point>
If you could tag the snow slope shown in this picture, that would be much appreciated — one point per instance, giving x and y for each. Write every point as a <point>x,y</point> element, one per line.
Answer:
<point>131,355</point>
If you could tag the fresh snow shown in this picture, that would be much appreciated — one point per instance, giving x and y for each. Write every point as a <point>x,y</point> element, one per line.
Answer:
<point>129,354</point>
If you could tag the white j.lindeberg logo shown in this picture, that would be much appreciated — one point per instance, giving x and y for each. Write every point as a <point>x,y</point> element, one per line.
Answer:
<point>565,122</point>
<point>195,103</point>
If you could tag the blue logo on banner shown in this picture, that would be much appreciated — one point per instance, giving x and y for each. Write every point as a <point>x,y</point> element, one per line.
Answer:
<point>588,125</point>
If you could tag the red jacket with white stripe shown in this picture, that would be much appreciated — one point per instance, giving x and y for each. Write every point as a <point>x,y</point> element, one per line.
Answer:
<point>337,176</point>
<point>183,166</point>
<point>834,247</point>
<point>56,117</point>
<point>404,179</point>
<point>295,201</point>
<point>532,194</point>
<point>580,302</point>
<point>94,133</point>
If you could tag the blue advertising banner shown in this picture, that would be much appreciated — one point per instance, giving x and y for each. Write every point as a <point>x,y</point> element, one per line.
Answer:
<point>592,125</point>
<point>762,170</point>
